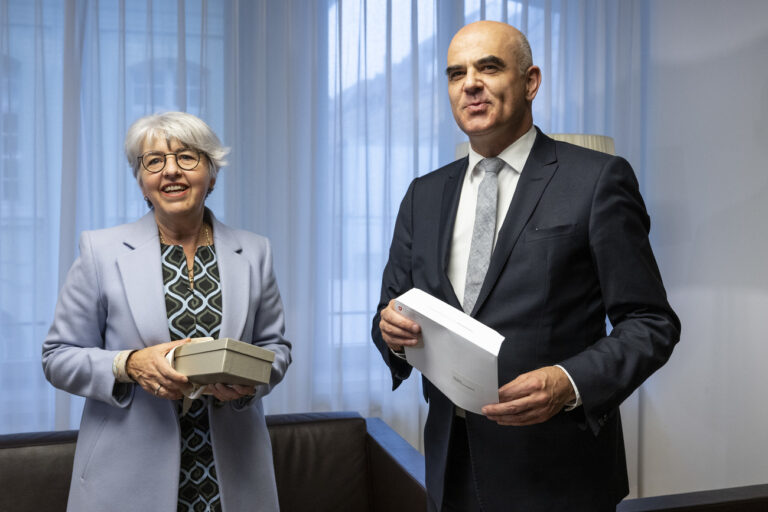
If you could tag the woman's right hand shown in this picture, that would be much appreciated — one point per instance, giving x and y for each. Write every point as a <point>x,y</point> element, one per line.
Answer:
<point>149,368</point>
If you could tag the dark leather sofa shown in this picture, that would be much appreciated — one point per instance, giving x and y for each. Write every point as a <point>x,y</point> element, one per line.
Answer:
<point>323,462</point>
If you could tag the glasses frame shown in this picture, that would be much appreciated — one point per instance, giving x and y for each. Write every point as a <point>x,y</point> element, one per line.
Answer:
<point>165,159</point>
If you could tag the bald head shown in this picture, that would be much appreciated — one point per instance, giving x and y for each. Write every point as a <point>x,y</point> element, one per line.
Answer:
<point>491,84</point>
<point>507,35</point>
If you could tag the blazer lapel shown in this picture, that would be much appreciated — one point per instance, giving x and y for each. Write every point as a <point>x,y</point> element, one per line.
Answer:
<point>449,205</point>
<point>534,178</point>
<point>235,273</point>
<point>142,277</point>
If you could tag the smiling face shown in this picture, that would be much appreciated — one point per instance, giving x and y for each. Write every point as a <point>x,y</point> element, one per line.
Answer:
<point>490,96</point>
<point>177,195</point>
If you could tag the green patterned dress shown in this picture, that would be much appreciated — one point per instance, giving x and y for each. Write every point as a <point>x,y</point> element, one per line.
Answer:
<point>194,313</point>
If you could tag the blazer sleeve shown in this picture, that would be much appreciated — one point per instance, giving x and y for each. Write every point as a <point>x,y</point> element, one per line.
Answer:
<point>645,328</point>
<point>396,280</point>
<point>269,326</point>
<point>74,358</point>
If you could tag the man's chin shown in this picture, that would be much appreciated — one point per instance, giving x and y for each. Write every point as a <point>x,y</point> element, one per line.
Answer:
<point>476,129</point>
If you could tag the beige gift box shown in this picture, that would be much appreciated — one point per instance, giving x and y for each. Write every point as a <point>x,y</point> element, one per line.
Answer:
<point>224,360</point>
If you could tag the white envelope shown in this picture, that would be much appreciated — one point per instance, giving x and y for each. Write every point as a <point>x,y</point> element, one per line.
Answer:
<point>457,353</point>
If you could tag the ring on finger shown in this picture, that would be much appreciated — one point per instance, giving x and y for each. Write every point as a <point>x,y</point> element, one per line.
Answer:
<point>158,388</point>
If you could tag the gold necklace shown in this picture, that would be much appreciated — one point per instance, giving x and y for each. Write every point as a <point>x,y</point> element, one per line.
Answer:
<point>191,270</point>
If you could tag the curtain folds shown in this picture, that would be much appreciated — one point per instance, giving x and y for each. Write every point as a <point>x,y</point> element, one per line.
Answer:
<point>331,108</point>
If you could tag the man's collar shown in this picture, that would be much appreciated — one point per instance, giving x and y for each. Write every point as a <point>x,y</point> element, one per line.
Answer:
<point>514,155</point>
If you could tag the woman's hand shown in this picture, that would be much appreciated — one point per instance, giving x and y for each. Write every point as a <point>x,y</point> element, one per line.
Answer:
<point>149,368</point>
<point>228,392</point>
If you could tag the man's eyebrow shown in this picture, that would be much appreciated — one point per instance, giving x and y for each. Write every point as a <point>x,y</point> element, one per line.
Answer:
<point>451,69</point>
<point>491,59</point>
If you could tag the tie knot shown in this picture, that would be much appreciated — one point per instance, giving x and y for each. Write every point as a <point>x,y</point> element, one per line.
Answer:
<point>493,165</point>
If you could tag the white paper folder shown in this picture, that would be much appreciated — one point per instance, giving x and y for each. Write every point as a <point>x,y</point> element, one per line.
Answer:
<point>457,353</point>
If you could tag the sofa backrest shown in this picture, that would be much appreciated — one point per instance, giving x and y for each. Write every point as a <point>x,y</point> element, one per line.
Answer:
<point>322,462</point>
<point>35,469</point>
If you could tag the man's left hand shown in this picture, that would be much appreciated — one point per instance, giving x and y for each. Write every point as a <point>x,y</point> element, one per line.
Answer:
<point>532,397</point>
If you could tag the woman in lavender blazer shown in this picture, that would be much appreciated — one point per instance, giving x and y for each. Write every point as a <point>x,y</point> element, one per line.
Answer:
<point>135,292</point>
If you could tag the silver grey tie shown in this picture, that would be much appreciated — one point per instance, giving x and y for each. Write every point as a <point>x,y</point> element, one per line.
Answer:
<point>482,234</point>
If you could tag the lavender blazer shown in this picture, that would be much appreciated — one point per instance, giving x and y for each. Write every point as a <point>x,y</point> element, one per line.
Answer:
<point>127,455</point>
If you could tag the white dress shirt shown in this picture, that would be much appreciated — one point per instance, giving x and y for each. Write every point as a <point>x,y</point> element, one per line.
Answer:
<point>514,156</point>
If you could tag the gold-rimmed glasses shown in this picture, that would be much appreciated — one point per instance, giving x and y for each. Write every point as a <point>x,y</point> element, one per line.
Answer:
<point>154,161</point>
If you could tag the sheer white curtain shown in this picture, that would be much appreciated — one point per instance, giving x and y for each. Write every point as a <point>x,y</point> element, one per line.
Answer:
<point>379,116</point>
<point>331,108</point>
<point>74,75</point>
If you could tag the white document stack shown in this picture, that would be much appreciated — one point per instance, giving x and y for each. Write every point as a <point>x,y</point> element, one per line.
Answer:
<point>457,353</point>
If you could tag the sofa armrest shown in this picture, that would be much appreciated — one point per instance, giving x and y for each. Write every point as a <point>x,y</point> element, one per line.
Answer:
<point>396,469</point>
<point>752,498</point>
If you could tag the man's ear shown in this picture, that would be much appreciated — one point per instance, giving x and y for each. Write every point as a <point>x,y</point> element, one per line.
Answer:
<point>532,82</point>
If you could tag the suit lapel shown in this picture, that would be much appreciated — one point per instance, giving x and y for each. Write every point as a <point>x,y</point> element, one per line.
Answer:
<point>142,277</point>
<point>449,205</point>
<point>235,273</point>
<point>538,171</point>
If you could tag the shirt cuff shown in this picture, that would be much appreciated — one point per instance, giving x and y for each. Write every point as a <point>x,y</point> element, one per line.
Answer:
<point>118,366</point>
<point>401,355</point>
<point>573,403</point>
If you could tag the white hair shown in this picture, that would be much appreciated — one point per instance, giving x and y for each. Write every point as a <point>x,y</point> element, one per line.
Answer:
<point>188,129</point>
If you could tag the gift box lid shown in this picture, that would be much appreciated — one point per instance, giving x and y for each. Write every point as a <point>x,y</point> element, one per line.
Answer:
<point>225,344</point>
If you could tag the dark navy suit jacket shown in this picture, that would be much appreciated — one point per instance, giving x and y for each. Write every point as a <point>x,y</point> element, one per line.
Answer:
<point>573,248</point>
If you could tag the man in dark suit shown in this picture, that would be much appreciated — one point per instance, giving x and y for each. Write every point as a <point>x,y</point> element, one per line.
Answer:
<point>566,236</point>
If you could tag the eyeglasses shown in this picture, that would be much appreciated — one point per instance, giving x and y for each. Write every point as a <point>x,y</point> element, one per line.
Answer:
<point>154,161</point>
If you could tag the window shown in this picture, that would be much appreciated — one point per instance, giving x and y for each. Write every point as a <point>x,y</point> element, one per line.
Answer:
<point>9,130</point>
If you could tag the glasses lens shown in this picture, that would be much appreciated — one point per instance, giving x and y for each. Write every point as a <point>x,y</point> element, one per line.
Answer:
<point>153,162</point>
<point>187,159</point>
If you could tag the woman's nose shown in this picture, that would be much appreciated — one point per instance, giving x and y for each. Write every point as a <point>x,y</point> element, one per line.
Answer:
<point>171,166</point>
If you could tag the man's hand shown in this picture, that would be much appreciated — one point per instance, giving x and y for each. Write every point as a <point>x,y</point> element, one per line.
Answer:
<point>397,330</point>
<point>532,397</point>
<point>151,370</point>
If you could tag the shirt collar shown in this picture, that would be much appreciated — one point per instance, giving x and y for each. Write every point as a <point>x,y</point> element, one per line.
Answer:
<point>514,155</point>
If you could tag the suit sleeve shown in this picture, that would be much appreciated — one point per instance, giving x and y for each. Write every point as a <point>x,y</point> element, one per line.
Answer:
<point>74,358</point>
<point>396,280</point>
<point>645,328</point>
